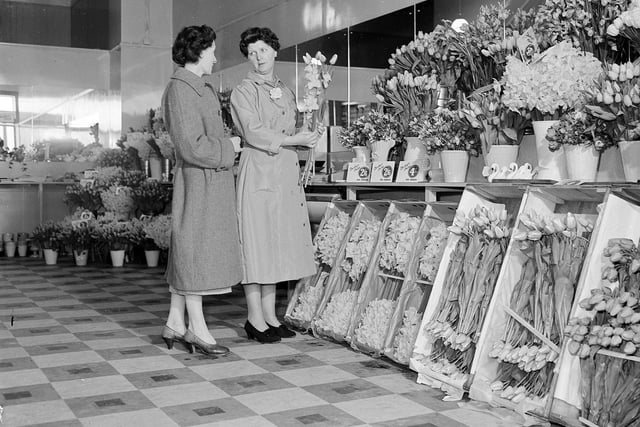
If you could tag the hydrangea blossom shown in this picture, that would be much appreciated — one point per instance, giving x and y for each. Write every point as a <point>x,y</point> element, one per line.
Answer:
<point>398,242</point>
<point>328,239</point>
<point>359,247</point>
<point>375,322</point>
<point>336,315</point>
<point>118,200</point>
<point>406,336</point>
<point>432,252</point>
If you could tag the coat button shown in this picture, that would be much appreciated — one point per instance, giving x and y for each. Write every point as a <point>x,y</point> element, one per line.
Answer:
<point>282,130</point>
<point>283,113</point>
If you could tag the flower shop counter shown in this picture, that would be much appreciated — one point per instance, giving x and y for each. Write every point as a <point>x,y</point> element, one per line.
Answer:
<point>24,205</point>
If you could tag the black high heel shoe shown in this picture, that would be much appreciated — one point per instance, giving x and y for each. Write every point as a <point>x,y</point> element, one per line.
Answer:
<point>266,336</point>
<point>210,349</point>
<point>170,336</point>
<point>282,331</point>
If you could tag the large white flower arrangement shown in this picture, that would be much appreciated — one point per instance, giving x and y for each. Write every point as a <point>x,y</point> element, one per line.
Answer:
<point>308,300</point>
<point>359,247</point>
<point>375,322</point>
<point>328,239</point>
<point>336,315</point>
<point>398,242</point>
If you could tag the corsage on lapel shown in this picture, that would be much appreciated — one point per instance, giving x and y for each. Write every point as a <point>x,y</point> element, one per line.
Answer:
<point>275,93</point>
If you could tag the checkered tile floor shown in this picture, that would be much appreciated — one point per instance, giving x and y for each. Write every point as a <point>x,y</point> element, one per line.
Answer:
<point>81,346</point>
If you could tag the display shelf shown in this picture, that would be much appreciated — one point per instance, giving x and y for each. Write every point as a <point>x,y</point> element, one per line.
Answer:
<point>418,191</point>
<point>416,289</point>
<point>380,285</point>
<point>547,202</point>
<point>340,284</point>
<point>455,384</point>
<point>619,218</point>
<point>309,290</point>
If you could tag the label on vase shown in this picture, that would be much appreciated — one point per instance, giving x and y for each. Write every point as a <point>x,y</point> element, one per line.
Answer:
<point>411,172</point>
<point>382,171</point>
<point>358,172</point>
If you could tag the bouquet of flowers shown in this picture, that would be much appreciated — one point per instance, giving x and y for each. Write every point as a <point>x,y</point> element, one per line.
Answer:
<point>157,229</point>
<point>77,233</point>
<point>116,234</point>
<point>328,239</point>
<point>494,123</point>
<point>627,23</point>
<point>318,74</point>
<point>432,252</point>
<point>579,128</point>
<point>117,157</point>
<point>556,81</point>
<point>337,314</point>
<point>141,142</point>
<point>617,101</point>
<point>398,242</point>
<point>373,126</point>
<point>444,129</point>
<point>118,200</point>
<point>583,23</point>
<point>374,324</point>
<point>49,235</point>
<point>151,197</point>
<point>359,248</point>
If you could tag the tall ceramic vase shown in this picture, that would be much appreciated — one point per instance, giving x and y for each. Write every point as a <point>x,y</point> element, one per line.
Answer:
<point>416,151</point>
<point>582,162</point>
<point>380,149</point>
<point>455,164</point>
<point>551,164</point>
<point>630,153</point>
<point>155,166</point>
<point>362,154</point>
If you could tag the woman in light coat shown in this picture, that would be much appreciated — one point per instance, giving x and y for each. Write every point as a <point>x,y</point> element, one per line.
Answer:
<point>272,212</point>
<point>204,257</point>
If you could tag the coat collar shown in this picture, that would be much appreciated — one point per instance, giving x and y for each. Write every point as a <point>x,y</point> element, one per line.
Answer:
<point>260,79</point>
<point>197,83</point>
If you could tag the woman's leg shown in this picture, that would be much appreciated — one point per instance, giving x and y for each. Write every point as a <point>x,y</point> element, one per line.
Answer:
<point>269,304</point>
<point>197,324</point>
<point>176,313</point>
<point>253,294</point>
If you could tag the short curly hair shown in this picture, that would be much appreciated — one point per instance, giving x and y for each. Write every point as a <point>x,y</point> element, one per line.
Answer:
<point>254,34</point>
<point>190,42</point>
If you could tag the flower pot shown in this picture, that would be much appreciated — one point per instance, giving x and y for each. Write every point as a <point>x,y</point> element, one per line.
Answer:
<point>117,258</point>
<point>436,174</point>
<point>152,257</point>
<point>582,162</point>
<point>551,164</point>
<point>416,151</point>
<point>362,155</point>
<point>10,248</point>
<point>155,167</point>
<point>50,256</point>
<point>6,237</point>
<point>502,155</point>
<point>81,257</point>
<point>630,152</point>
<point>380,149</point>
<point>454,165</point>
<point>22,249</point>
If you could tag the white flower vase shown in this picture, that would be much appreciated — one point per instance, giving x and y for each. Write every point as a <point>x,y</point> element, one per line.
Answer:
<point>436,174</point>
<point>502,155</point>
<point>551,164</point>
<point>117,258</point>
<point>10,248</point>
<point>155,167</point>
<point>152,257</point>
<point>22,249</point>
<point>362,155</point>
<point>380,149</point>
<point>582,162</point>
<point>455,164</point>
<point>50,256</point>
<point>81,257</point>
<point>416,151</point>
<point>630,153</point>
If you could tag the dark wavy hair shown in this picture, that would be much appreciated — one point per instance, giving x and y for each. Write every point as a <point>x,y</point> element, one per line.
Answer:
<point>254,34</point>
<point>190,42</point>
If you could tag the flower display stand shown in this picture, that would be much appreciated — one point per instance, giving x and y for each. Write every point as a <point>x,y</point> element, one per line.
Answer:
<point>309,290</point>
<point>333,316</point>
<point>619,218</point>
<point>422,360</point>
<point>416,289</point>
<point>510,311</point>
<point>381,287</point>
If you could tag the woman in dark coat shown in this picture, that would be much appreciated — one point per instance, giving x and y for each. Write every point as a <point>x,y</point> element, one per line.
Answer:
<point>204,257</point>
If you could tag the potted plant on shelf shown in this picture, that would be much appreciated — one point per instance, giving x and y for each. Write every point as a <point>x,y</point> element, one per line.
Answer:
<point>381,132</point>
<point>354,137</point>
<point>151,197</point>
<point>157,237</point>
<point>616,100</point>
<point>77,235</point>
<point>50,238</point>
<point>444,131</point>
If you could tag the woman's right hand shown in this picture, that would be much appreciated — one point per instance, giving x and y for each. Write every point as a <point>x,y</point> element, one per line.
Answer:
<point>303,139</point>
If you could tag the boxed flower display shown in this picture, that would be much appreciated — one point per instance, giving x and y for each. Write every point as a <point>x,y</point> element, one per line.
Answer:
<point>463,287</point>
<point>420,273</point>
<point>335,310</point>
<point>385,276</point>
<point>328,242</point>
<point>516,359</point>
